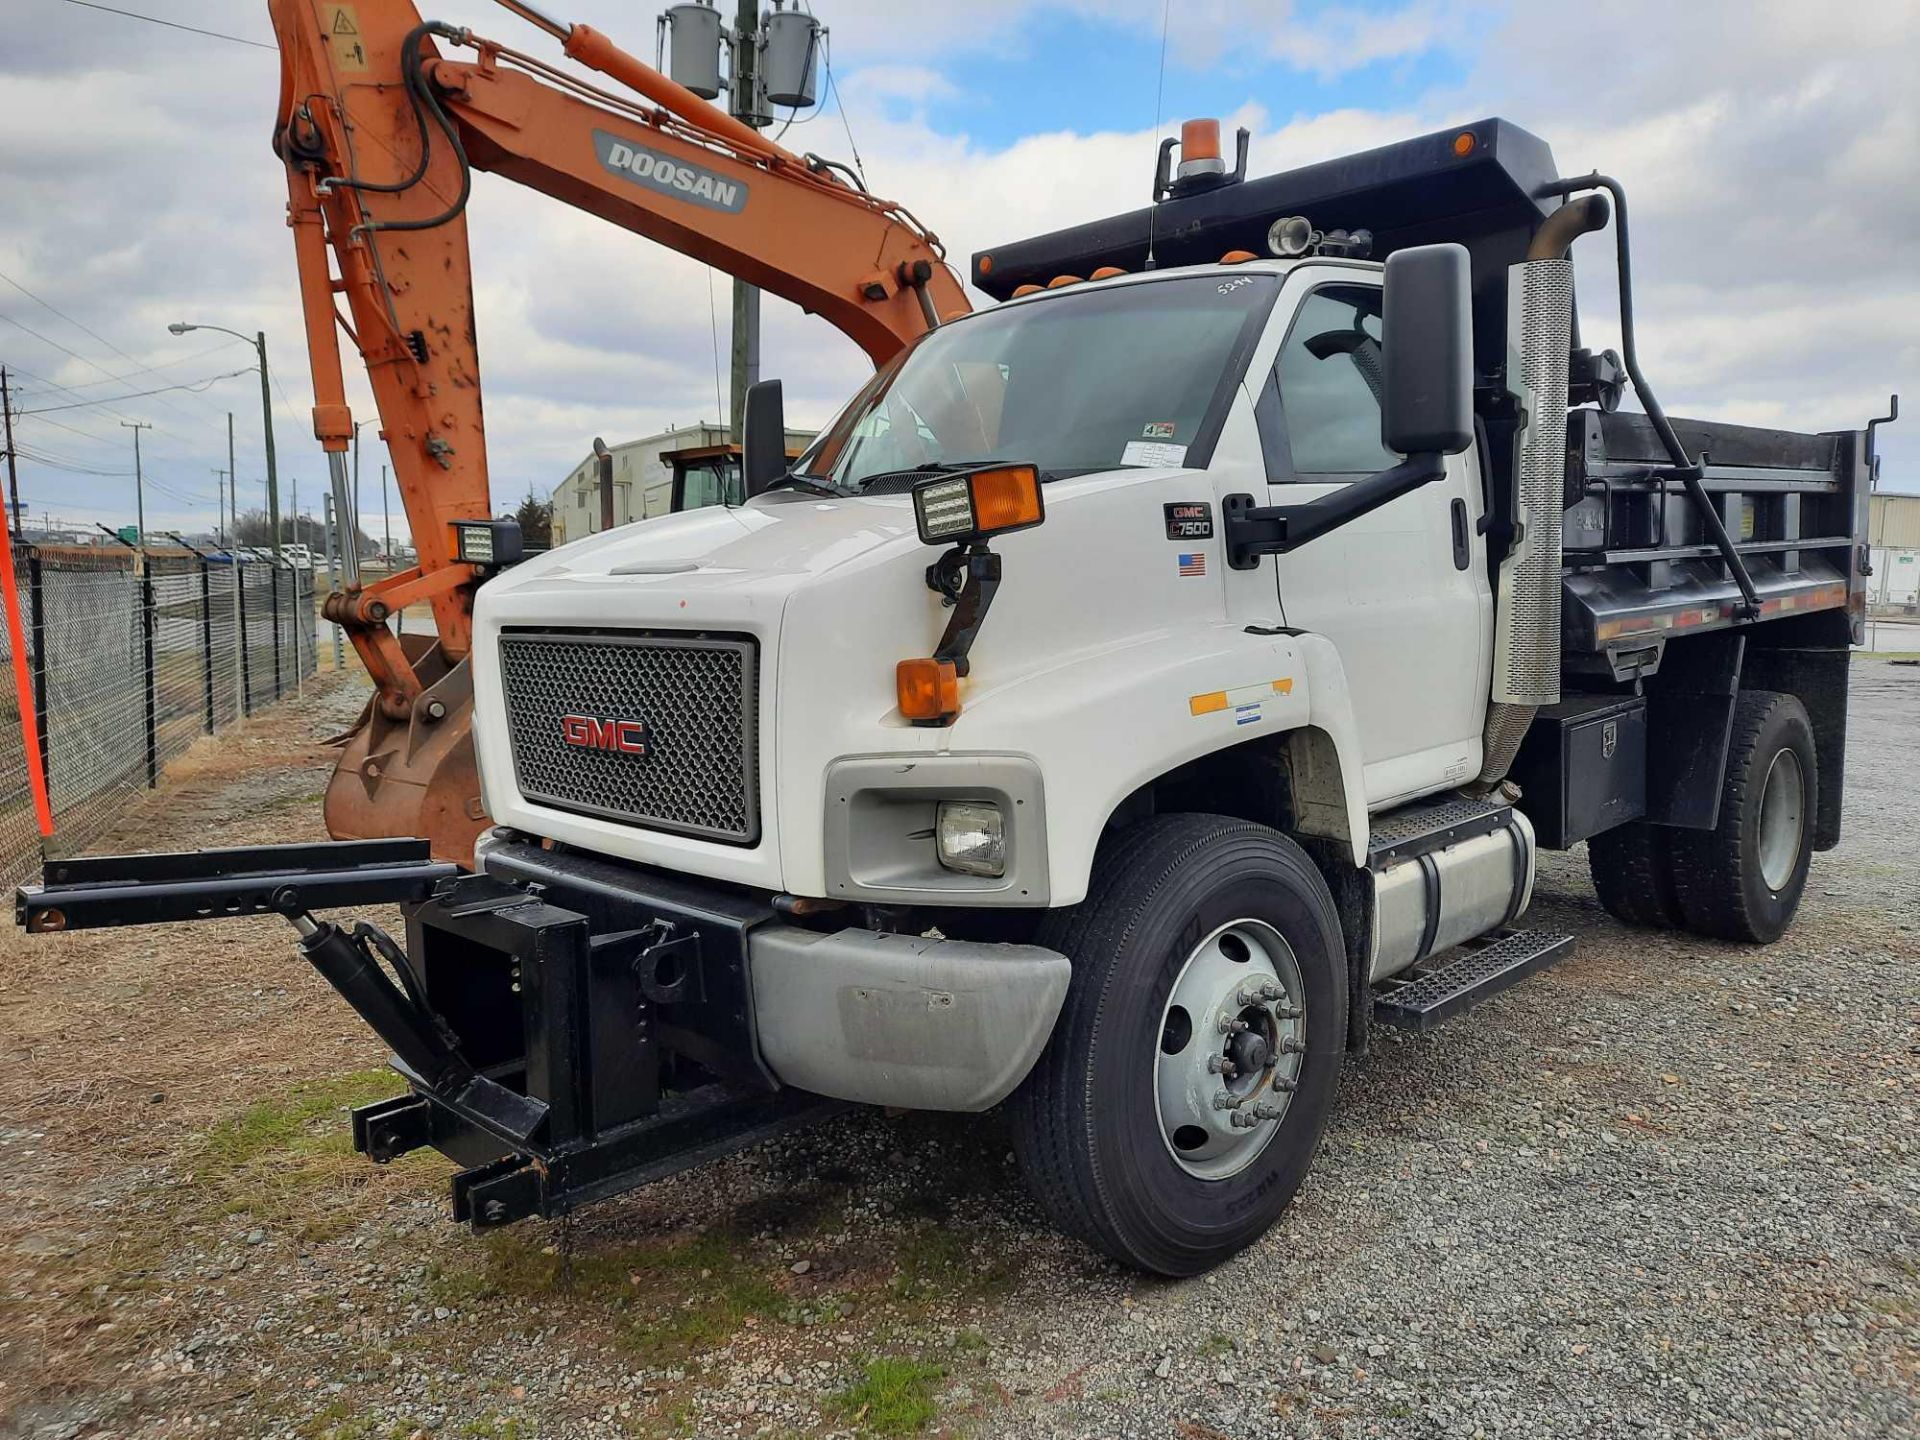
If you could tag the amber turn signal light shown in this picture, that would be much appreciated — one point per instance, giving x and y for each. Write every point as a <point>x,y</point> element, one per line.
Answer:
<point>961,509</point>
<point>928,689</point>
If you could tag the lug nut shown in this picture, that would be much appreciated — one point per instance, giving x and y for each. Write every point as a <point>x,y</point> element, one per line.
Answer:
<point>1231,1027</point>
<point>1293,1045</point>
<point>1220,1065</point>
<point>1282,1085</point>
<point>1224,1100</point>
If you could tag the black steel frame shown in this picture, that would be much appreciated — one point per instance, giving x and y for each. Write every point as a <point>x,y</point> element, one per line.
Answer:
<point>570,1028</point>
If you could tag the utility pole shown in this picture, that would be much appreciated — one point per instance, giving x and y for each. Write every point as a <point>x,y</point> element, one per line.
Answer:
<point>13,472</point>
<point>219,505</point>
<point>386,518</point>
<point>139,486</point>
<point>746,298</point>
<point>266,419</point>
<point>233,483</point>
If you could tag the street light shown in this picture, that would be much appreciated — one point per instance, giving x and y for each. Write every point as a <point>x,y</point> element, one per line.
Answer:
<point>259,343</point>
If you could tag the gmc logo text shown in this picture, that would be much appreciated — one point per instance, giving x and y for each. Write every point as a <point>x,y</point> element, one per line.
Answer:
<point>626,737</point>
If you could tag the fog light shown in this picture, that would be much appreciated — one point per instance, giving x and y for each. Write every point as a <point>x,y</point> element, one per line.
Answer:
<point>972,837</point>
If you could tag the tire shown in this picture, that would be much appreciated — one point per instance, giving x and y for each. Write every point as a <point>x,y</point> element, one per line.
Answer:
<point>1733,882</point>
<point>1632,869</point>
<point>1168,895</point>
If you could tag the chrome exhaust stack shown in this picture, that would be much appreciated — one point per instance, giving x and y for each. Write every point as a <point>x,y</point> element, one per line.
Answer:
<point>1526,655</point>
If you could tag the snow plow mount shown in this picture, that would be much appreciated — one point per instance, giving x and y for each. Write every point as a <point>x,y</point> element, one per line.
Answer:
<point>558,1058</point>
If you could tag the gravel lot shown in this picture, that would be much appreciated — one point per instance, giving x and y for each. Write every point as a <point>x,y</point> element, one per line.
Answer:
<point>1670,1187</point>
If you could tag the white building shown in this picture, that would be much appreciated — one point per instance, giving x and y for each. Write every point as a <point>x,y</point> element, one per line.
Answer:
<point>642,480</point>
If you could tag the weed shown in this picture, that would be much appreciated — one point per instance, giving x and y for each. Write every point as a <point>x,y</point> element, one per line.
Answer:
<point>1216,1345</point>
<point>271,1159</point>
<point>666,1299</point>
<point>934,1260</point>
<point>893,1396</point>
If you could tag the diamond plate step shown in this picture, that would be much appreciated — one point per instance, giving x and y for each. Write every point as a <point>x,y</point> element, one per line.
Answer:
<point>1429,825</point>
<point>1436,993</point>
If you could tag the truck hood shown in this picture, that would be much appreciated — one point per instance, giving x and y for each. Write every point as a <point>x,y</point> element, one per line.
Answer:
<point>725,566</point>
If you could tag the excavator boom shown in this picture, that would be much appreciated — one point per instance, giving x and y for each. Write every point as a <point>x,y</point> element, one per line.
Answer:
<point>383,118</point>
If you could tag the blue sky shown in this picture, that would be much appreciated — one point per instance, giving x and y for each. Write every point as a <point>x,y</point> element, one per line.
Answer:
<point>1069,71</point>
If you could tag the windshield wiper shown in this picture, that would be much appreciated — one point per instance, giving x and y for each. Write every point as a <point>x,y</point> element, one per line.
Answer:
<point>792,480</point>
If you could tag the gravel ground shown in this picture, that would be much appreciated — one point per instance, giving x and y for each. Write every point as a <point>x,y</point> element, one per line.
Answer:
<point>1669,1187</point>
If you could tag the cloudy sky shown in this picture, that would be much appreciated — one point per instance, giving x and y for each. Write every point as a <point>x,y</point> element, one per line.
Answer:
<point>1771,150</point>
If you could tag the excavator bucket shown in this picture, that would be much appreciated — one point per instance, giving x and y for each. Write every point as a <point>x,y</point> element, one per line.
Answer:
<point>416,776</point>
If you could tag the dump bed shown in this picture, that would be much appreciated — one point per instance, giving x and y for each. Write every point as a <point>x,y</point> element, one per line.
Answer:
<point>1638,565</point>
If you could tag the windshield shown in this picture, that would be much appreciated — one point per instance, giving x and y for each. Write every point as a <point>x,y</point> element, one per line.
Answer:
<point>1106,377</point>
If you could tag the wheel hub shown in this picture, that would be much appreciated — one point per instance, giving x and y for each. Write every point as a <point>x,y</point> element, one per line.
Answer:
<point>1232,1041</point>
<point>1249,1051</point>
<point>1783,801</point>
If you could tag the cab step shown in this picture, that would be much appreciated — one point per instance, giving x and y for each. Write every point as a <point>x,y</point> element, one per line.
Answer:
<point>1434,824</point>
<point>1434,993</point>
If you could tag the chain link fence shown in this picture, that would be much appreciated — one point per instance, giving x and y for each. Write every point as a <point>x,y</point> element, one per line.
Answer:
<point>131,658</point>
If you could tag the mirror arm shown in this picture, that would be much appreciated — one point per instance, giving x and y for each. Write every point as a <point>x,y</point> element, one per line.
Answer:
<point>1251,531</point>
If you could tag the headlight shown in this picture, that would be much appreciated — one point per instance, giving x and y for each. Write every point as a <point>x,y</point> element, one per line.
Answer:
<point>971,836</point>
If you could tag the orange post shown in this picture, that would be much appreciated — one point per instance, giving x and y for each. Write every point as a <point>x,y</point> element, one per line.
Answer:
<point>23,690</point>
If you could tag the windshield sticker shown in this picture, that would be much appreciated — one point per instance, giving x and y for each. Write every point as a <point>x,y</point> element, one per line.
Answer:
<point>1153,453</point>
<point>1158,430</point>
<point>1189,520</point>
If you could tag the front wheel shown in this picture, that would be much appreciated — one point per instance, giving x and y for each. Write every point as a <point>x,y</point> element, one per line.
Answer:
<point>1190,1075</point>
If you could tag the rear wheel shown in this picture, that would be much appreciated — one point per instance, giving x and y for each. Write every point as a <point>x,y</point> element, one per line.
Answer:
<point>1190,1075</point>
<point>1742,880</point>
<point>1632,873</point>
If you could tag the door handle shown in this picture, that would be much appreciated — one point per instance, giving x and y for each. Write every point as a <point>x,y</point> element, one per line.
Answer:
<point>1462,554</point>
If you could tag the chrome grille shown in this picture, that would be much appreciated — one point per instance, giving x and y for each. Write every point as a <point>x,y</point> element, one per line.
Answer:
<point>696,697</point>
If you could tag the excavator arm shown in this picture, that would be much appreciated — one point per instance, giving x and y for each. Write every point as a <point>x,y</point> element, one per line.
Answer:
<point>383,118</point>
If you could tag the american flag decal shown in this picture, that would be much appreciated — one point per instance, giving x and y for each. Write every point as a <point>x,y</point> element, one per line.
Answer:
<point>1193,564</point>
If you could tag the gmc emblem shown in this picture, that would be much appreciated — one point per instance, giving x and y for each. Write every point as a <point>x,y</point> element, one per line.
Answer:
<point>624,737</point>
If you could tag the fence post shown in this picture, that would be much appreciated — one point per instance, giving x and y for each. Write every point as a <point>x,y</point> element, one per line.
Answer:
<point>206,633</point>
<point>37,606</point>
<point>147,619</point>
<point>273,590</point>
<point>240,637</point>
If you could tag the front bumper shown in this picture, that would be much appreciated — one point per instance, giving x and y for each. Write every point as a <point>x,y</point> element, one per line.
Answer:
<point>918,1022</point>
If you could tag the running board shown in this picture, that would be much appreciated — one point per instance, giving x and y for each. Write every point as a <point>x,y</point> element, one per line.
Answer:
<point>1434,994</point>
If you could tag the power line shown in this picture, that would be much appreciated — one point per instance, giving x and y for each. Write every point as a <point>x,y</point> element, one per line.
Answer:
<point>139,367</point>
<point>170,24</point>
<point>196,386</point>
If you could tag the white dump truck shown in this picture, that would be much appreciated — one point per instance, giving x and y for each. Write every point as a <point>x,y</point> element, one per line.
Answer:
<point>1140,688</point>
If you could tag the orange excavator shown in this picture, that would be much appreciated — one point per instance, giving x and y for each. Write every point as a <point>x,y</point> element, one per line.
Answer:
<point>380,129</point>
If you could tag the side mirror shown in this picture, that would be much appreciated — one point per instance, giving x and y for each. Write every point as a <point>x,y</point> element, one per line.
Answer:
<point>1427,349</point>
<point>763,437</point>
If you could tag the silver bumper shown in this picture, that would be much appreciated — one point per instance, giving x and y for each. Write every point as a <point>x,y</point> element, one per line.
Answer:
<point>902,1020</point>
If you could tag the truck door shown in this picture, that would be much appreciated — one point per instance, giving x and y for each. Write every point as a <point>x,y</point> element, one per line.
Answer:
<point>1402,592</point>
